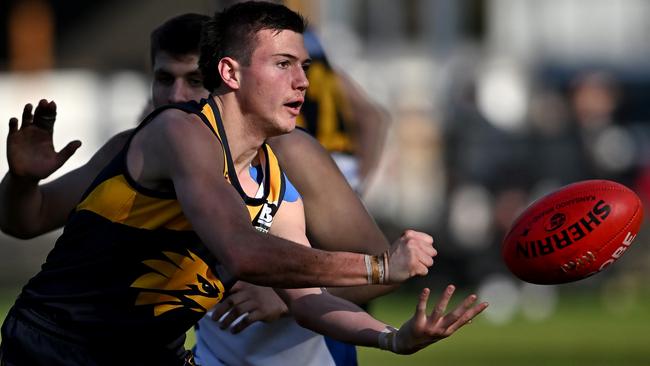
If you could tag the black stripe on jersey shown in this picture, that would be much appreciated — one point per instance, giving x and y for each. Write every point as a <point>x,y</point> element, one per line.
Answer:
<point>234,180</point>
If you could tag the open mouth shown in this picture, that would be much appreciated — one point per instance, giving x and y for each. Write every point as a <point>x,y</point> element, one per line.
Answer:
<point>296,104</point>
<point>294,107</point>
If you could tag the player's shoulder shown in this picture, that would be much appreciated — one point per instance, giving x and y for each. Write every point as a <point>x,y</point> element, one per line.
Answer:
<point>173,122</point>
<point>297,139</point>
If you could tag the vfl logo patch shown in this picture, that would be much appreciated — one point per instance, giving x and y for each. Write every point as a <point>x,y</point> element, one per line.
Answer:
<point>179,281</point>
<point>264,218</point>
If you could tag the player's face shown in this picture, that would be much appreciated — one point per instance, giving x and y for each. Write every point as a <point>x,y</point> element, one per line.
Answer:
<point>273,86</point>
<point>176,79</point>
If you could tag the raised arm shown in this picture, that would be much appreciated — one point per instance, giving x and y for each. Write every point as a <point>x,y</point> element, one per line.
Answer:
<point>180,151</point>
<point>371,123</point>
<point>27,208</point>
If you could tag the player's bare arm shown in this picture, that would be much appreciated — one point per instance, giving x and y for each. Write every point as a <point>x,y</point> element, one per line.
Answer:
<point>371,126</point>
<point>176,150</point>
<point>337,221</point>
<point>28,208</point>
<point>343,320</point>
<point>336,218</point>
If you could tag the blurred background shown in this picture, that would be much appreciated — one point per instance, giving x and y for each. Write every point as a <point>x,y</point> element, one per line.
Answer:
<point>493,103</point>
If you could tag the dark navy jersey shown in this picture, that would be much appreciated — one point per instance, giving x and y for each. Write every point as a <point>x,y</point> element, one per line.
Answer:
<point>128,265</point>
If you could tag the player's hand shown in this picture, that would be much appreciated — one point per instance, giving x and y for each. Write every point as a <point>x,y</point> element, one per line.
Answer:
<point>257,302</point>
<point>410,255</point>
<point>422,329</point>
<point>30,150</point>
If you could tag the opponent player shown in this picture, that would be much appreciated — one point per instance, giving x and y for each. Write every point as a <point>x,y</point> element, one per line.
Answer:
<point>190,176</point>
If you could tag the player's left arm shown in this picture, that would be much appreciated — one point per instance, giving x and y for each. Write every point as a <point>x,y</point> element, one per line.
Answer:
<point>289,223</point>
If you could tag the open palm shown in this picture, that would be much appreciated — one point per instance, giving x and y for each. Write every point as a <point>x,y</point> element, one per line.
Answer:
<point>422,329</point>
<point>30,149</point>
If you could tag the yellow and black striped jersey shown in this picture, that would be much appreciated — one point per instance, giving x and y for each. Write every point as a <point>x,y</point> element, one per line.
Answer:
<point>128,265</point>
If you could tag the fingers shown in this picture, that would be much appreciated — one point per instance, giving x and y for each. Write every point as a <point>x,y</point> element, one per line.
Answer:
<point>27,116</point>
<point>462,315</point>
<point>454,316</point>
<point>421,307</point>
<point>424,241</point>
<point>45,115</point>
<point>67,152</point>
<point>234,314</point>
<point>232,300</point>
<point>244,321</point>
<point>227,319</point>
<point>441,306</point>
<point>219,310</point>
<point>467,315</point>
<point>13,125</point>
<point>421,245</point>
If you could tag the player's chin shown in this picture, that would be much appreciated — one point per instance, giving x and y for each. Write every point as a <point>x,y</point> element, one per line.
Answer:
<point>289,124</point>
<point>284,128</point>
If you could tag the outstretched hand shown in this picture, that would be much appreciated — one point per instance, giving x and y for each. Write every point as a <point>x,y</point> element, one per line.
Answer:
<point>422,329</point>
<point>30,150</point>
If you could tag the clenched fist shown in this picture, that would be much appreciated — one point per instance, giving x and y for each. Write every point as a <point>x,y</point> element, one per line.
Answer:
<point>410,255</point>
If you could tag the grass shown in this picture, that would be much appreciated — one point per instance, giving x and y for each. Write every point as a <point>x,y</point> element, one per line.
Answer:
<point>581,333</point>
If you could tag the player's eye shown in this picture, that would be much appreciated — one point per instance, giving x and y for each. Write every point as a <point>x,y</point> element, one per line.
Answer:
<point>164,79</point>
<point>196,83</point>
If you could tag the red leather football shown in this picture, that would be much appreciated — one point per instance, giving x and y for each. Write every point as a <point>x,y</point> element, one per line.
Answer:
<point>573,232</point>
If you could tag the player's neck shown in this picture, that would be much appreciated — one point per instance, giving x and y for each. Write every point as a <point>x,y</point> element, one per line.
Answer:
<point>244,139</point>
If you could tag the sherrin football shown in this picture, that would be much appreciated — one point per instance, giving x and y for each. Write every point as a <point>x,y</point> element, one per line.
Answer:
<point>573,232</point>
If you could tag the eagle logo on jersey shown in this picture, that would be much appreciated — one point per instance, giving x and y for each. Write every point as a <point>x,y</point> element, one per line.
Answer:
<point>178,281</point>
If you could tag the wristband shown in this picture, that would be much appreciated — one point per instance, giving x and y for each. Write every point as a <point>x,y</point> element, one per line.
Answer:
<point>387,339</point>
<point>385,260</point>
<point>377,268</point>
<point>368,260</point>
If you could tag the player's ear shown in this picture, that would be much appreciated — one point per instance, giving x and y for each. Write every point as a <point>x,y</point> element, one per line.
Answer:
<point>229,71</point>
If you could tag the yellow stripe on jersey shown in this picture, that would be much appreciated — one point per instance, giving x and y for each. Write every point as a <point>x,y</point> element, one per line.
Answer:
<point>115,200</point>
<point>209,114</point>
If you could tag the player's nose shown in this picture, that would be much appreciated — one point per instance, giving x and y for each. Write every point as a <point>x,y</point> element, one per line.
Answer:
<point>300,79</point>
<point>178,92</point>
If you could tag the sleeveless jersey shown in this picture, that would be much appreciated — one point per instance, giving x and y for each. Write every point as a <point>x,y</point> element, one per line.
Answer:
<point>128,268</point>
<point>278,343</point>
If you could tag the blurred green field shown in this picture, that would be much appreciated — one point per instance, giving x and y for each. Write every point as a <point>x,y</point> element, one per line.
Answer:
<point>581,333</point>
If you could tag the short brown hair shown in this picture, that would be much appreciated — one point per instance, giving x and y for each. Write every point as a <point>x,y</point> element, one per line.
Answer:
<point>231,33</point>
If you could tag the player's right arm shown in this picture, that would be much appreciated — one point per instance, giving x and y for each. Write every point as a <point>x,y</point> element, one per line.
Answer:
<point>27,208</point>
<point>177,151</point>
